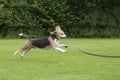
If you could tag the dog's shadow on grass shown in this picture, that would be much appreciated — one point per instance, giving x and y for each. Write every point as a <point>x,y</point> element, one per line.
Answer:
<point>35,60</point>
<point>49,58</point>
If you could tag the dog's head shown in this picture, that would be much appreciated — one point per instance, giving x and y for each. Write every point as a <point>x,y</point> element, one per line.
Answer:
<point>59,33</point>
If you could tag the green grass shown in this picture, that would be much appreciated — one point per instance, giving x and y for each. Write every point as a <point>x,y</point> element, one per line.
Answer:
<point>41,64</point>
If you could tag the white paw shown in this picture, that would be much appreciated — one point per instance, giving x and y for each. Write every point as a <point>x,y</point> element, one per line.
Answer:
<point>64,51</point>
<point>14,54</point>
<point>22,56</point>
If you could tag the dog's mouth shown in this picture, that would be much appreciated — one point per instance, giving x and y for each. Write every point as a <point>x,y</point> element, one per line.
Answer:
<point>63,37</point>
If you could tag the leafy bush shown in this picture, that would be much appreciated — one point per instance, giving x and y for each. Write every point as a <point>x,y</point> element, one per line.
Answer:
<point>78,18</point>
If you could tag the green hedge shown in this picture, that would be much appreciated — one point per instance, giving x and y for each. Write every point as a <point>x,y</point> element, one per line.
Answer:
<point>78,18</point>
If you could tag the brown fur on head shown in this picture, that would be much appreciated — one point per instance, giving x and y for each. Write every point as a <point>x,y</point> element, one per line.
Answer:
<point>59,32</point>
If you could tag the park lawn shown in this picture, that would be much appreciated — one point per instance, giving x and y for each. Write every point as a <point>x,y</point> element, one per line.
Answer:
<point>41,64</point>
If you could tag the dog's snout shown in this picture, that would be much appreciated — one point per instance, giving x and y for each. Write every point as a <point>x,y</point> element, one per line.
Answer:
<point>64,36</point>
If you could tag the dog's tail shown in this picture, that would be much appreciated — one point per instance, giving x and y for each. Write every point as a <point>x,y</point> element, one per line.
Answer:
<point>25,35</point>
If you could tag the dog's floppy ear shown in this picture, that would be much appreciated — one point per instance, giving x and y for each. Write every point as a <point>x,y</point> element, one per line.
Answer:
<point>53,32</point>
<point>57,28</point>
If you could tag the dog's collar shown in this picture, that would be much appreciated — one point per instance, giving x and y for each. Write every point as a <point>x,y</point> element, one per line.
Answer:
<point>54,36</point>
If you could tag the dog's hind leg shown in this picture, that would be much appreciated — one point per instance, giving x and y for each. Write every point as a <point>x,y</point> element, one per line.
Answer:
<point>26,47</point>
<point>24,52</point>
<point>16,52</point>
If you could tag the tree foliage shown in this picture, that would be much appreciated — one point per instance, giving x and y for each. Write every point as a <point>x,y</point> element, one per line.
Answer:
<point>79,18</point>
<point>96,18</point>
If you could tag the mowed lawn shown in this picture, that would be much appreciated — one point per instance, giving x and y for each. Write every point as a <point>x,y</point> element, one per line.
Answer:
<point>41,64</point>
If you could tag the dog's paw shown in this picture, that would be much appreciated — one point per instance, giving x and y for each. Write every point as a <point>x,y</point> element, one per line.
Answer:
<point>64,51</point>
<point>22,56</point>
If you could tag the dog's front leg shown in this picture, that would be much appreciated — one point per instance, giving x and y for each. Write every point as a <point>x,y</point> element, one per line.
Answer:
<point>54,45</point>
<point>62,45</point>
<point>59,45</point>
<point>59,49</point>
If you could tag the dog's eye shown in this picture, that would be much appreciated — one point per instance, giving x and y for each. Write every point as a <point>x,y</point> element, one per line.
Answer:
<point>61,33</point>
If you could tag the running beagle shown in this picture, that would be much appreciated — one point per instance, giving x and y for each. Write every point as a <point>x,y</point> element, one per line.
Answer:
<point>49,42</point>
